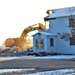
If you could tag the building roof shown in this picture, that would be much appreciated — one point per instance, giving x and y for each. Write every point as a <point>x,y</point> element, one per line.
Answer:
<point>62,12</point>
<point>45,33</point>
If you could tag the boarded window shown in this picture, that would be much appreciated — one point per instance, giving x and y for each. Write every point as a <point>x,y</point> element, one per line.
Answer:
<point>51,42</point>
<point>71,22</point>
<point>72,41</point>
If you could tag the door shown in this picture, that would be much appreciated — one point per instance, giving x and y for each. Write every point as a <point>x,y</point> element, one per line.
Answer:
<point>52,45</point>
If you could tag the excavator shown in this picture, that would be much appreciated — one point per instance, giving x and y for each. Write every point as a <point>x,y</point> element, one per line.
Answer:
<point>22,41</point>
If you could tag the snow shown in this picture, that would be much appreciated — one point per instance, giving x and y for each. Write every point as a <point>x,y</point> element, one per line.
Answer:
<point>43,57</point>
<point>54,72</point>
<point>46,33</point>
<point>6,58</point>
<point>65,12</point>
<point>49,57</point>
<point>5,71</point>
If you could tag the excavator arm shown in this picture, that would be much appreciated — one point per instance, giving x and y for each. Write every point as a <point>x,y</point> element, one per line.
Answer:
<point>34,27</point>
<point>21,41</point>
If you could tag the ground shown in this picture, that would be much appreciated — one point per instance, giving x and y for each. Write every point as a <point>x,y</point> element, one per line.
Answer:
<point>41,64</point>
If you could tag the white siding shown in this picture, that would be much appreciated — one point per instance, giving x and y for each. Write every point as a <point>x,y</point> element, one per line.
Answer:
<point>51,49</point>
<point>59,25</point>
<point>64,47</point>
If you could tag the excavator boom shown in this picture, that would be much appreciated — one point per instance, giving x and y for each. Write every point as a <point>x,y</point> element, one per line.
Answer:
<point>34,27</point>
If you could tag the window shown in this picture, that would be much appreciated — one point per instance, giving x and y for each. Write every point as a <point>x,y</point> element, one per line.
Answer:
<point>47,25</point>
<point>51,42</point>
<point>71,22</point>
<point>42,43</point>
<point>37,44</point>
<point>72,40</point>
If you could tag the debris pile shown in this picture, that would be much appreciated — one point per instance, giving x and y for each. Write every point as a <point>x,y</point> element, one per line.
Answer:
<point>14,49</point>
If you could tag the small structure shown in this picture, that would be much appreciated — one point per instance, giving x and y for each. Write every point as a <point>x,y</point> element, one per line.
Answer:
<point>60,37</point>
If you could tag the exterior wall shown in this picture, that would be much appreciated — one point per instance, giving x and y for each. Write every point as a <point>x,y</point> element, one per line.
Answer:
<point>51,49</point>
<point>36,37</point>
<point>64,47</point>
<point>61,25</point>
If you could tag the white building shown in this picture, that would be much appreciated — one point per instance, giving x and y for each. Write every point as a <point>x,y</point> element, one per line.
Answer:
<point>60,37</point>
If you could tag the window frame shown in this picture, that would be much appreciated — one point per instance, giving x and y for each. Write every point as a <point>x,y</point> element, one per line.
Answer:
<point>39,44</point>
<point>51,42</point>
<point>71,22</point>
<point>47,24</point>
<point>72,41</point>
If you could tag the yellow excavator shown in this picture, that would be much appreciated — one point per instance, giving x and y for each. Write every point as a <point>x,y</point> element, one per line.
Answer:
<point>22,41</point>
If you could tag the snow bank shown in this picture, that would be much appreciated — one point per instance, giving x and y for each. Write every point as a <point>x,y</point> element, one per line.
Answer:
<point>50,57</point>
<point>34,57</point>
<point>56,72</point>
<point>44,57</point>
<point>5,71</point>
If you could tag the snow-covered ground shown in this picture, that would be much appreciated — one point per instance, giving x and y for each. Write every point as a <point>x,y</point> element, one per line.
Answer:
<point>50,57</point>
<point>54,72</point>
<point>5,71</point>
<point>43,57</point>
